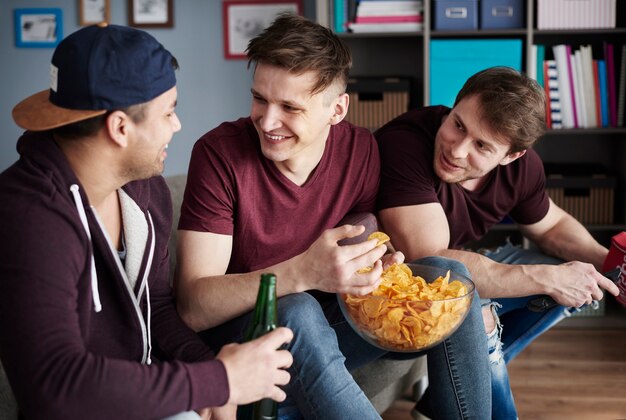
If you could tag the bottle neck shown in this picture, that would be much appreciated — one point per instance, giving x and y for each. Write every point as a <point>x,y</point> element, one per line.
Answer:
<point>265,317</point>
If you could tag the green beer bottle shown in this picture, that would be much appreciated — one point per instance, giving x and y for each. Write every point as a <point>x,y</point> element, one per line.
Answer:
<point>264,321</point>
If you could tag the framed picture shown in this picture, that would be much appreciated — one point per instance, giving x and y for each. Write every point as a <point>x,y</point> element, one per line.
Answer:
<point>93,11</point>
<point>151,13</point>
<point>243,20</point>
<point>37,27</point>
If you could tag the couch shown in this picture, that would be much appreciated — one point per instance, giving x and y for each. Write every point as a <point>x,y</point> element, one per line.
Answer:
<point>383,381</point>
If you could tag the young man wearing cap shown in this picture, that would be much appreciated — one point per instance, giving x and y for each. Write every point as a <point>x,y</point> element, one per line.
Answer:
<point>266,192</point>
<point>88,327</point>
<point>449,175</point>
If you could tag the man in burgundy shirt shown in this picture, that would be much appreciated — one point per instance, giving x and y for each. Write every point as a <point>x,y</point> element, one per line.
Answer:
<point>449,175</point>
<point>265,193</point>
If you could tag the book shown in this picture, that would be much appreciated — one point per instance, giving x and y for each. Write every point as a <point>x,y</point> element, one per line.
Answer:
<point>589,106</point>
<point>546,89</point>
<point>388,19</point>
<point>339,16</point>
<point>611,83</point>
<point>579,91</point>
<point>573,97</point>
<point>539,57</point>
<point>552,81</point>
<point>322,14</point>
<point>621,93</point>
<point>596,93</point>
<point>532,67</point>
<point>562,59</point>
<point>385,27</point>
<point>389,12</point>
<point>390,4</point>
<point>604,93</point>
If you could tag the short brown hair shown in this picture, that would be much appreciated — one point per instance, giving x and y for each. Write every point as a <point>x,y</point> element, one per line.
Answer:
<point>295,43</point>
<point>512,103</point>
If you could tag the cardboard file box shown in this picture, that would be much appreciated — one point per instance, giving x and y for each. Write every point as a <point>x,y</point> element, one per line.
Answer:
<point>453,61</point>
<point>375,101</point>
<point>455,14</point>
<point>575,14</point>
<point>501,14</point>
<point>584,191</point>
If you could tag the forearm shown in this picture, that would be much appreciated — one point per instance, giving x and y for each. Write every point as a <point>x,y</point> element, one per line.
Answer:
<point>569,240</point>
<point>210,301</point>
<point>496,280</point>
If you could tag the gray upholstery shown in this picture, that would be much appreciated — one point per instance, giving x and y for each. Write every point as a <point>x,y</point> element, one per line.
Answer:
<point>8,406</point>
<point>383,381</point>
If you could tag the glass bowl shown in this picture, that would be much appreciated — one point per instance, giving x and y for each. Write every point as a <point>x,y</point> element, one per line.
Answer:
<point>396,318</point>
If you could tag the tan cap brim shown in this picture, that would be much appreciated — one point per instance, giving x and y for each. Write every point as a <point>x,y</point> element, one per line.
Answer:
<point>37,113</point>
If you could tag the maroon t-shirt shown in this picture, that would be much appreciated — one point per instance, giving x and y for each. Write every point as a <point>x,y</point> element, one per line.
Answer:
<point>232,189</point>
<point>406,147</point>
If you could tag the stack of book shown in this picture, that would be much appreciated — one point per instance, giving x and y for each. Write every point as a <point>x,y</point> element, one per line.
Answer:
<point>387,16</point>
<point>582,91</point>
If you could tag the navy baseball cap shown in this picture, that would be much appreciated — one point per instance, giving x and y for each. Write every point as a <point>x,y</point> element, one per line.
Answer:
<point>97,69</point>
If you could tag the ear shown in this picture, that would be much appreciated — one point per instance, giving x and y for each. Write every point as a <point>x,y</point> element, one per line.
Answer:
<point>340,108</point>
<point>117,127</point>
<point>512,157</point>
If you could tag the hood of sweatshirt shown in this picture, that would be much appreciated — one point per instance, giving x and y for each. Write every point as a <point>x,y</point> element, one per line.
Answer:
<point>43,163</point>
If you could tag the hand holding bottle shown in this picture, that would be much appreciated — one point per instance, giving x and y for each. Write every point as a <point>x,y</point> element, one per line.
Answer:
<point>255,369</point>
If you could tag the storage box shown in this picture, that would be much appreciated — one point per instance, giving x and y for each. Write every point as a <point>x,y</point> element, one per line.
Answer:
<point>501,14</point>
<point>573,14</point>
<point>453,61</point>
<point>585,191</point>
<point>375,101</point>
<point>455,14</point>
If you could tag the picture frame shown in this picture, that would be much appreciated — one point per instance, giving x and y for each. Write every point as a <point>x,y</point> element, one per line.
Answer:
<point>243,20</point>
<point>38,27</point>
<point>91,12</point>
<point>151,13</point>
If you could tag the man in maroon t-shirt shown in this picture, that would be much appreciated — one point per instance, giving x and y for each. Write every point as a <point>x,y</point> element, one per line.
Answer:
<point>449,175</point>
<point>265,194</point>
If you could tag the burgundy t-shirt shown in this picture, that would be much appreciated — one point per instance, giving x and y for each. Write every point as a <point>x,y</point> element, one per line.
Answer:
<point>406,147</point>
<point>232,189</point>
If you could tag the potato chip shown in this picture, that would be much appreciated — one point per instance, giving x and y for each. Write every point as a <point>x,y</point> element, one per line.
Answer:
<point>380,236</point>
<point>406,312</point>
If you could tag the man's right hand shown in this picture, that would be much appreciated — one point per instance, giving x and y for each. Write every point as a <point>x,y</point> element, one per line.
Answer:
<point>255,369</point>
<point>333,268</point>
<point>575,283</point>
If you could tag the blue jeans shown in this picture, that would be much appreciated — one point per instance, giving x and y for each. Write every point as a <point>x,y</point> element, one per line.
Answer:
<point>325,349</point>
<point>517,326</point>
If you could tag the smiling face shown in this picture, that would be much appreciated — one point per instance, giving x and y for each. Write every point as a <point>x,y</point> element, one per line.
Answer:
<point>151,136</point>
<point>292,124</point>
<point>466,149</point>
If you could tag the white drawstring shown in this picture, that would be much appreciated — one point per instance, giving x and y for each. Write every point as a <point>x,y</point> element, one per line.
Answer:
<point>83,218</point>
<point>147,271</point>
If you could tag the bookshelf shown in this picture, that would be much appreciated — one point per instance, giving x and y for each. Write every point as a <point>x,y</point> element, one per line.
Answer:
<point>407,54</point>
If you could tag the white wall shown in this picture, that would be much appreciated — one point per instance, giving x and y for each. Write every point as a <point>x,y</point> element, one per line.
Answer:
<point>211,89</point>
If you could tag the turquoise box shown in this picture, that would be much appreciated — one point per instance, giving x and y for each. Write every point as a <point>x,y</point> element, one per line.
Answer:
<point>453,61</point>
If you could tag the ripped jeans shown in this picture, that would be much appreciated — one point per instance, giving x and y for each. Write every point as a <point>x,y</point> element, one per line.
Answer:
<point>516,326</point>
